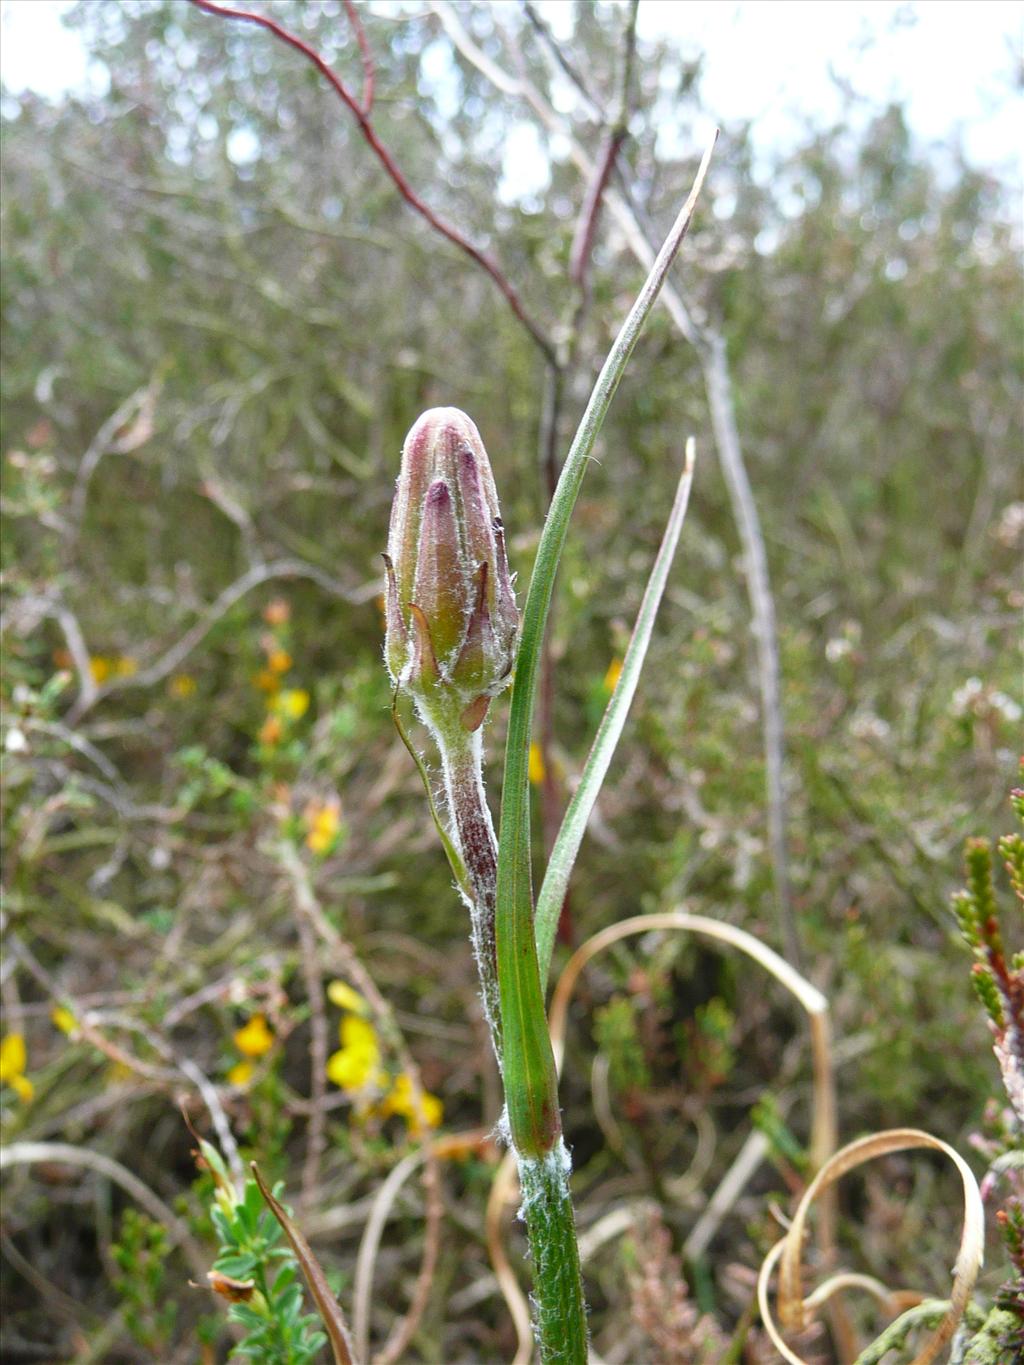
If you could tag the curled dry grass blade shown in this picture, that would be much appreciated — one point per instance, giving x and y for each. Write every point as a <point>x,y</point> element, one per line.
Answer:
<point>814,1004</point>
<point>823,1107</point>
<point>823,1102</point>
<point>796,1312</point>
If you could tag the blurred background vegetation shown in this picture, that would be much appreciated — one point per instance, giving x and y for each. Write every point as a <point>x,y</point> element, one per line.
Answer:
<point>219,320</point>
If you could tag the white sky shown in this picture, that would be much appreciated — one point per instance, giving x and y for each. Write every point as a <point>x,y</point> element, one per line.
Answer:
<point>950,61</point>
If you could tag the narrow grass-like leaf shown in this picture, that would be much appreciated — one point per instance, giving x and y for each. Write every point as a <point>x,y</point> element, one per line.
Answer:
<point>530,1078</point>
<point>455,860</point>
<point>328,1306</point>
<point>574,823</point>
<point>530,1083</point>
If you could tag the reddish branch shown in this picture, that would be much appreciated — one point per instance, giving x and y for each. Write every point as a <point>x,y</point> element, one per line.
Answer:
<point>586,226</point>
<point>361,114</point>
<point>369,72</point>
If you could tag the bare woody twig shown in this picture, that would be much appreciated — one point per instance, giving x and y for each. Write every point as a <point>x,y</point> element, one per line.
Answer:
<point>615,136</point>
<point>100,444</point>
<point>714,361</point>
<point>176,654</point>
<point>361,115</point>
<point>34,1153</point>
<point>369,71</point>
<point>554,51</point>
<point>75,641</point>
<point>85,1027</point>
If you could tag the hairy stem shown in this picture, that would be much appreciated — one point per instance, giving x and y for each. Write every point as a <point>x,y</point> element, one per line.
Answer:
<point>474,834</point>
<point>561,1320</point>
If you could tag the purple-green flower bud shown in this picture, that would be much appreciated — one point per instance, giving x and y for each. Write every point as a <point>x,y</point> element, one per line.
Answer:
<point>452,622</point>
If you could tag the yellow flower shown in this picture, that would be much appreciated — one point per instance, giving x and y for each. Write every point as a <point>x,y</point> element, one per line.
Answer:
<point>241,1074</point>
<point>13,1060</point>
<point>537,772</point>
<point>182,685</point>
<point>266,681</point>
<point>323,821</point>
<point>101,668</point>
<point>611,678</point>
<point>294,703</point>
<point>63,1019</point>
<point>357,1061</point>
<point>433,1111</point>
<point>13,1057</point>
<point>400,1101</point>
<point>279,661</point>
<point>270,731</point>
<point>340,993</point>
<point>349,1070</point>
<point>317,841</point>
<point>359,1034</point>
<point>254,1039</point>
<point>125,666</point>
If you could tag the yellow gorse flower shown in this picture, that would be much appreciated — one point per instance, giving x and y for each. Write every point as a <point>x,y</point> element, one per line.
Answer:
<point>323,821</point>
<point>292,703</point>
<point>614,673</point>
<point>104,666</point>
<point>182,685</point>
<point>13,1061</point>
<point>400,1101</point>
<point>340,993</point>
<point>357,1062</point>
<point>241,1073</point>
<point>254,1038</point>
<point>63,1019</point>
<point>279,661</point>
<point>356,1066</point>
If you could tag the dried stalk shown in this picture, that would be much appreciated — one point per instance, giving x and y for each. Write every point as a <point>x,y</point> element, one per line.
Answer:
<point>796,1312</point>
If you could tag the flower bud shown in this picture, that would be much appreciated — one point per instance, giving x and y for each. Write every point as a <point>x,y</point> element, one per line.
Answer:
<point>452,623</point>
